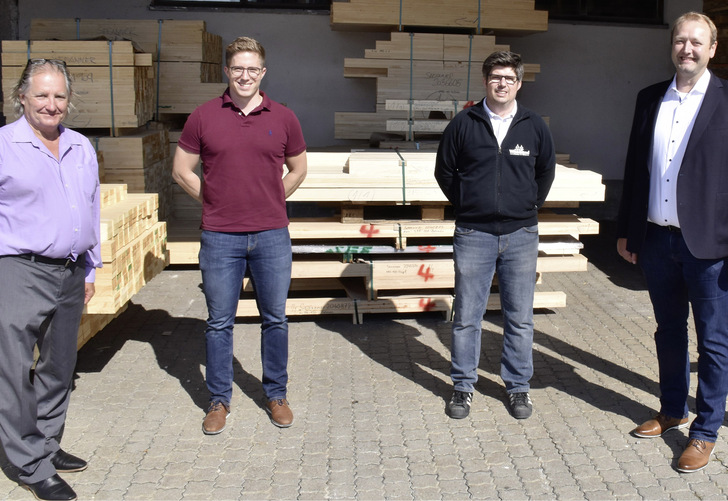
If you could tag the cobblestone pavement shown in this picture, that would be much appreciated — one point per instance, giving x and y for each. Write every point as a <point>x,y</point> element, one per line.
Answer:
<point>369,406</point>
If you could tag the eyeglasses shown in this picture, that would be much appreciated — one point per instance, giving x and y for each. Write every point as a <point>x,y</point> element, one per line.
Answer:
<point>496,79</point>
<point>41,60</point>
<point>237,71</point>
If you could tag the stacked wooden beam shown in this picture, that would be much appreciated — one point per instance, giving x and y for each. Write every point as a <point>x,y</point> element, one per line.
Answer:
<point>113,84</point>
<point>133,250</point>
<point>396,261</point>
<point>133,247</point>
<point>141,161</point>
<point>188,58</point>
<point>505,17</point>
<point>418,74</point>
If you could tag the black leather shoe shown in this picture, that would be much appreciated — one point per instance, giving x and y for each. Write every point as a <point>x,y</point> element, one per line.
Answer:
<point>52,489</point>
<point>67,463</point>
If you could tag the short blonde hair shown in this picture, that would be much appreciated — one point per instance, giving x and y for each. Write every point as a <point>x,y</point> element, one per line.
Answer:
<point>244,44</point>
<point>696,16</point>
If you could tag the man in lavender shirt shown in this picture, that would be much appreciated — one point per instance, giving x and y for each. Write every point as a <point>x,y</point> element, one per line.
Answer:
<point>49,250</point>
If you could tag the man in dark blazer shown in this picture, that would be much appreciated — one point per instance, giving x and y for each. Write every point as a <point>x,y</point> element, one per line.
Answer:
<point>673,221</point>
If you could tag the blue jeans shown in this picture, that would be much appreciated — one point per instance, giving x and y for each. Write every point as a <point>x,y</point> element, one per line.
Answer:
<point>224,258</point>
<point>676,279</point>
<point>478,256</point>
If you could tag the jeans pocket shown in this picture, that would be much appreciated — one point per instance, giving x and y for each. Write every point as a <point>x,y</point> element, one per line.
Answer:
<point>460,230</point>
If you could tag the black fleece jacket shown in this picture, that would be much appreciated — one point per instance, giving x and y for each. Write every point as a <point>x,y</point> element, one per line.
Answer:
<point>495,189</point>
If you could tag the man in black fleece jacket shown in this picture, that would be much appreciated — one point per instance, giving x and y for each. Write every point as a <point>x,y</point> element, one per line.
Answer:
<point>495,164</point>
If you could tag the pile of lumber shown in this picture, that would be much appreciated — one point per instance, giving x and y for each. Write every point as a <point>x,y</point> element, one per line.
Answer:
<point>505,17</point>
<point>133,251</point>
<point>141,160</point>
<point>419,75</point>
<point>188,59</point>
<point>401,259</point>
<point>112,82</point>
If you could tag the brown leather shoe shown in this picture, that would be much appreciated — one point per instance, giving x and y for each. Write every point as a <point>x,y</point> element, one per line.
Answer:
<point>279,412</point>
<point>214,421</point>
<point>660,424</point>
<point>696,455</point>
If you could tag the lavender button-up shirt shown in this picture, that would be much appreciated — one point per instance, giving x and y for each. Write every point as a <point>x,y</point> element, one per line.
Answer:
<point>49,207</point>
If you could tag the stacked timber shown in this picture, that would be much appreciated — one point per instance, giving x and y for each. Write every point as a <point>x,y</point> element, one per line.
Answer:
<point>113,83</point>
<point>141,160</point>
<point>133,251</point>
<point>188,59</point>
<point>389,247</point>
<point>419,75</point>
<point>504,17</point>
<point>133,247</point>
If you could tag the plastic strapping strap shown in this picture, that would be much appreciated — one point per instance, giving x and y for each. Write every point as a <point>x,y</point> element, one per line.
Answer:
<point>96,143</point>
<point>400,14</point>
<point>470,63</point>
<point>479,16</point>
<point>159,64</point>
<point>404,177</point>
<point>78,28</point>
<point>410,118</point>
<point>111,84</point>
<point>356,311</point>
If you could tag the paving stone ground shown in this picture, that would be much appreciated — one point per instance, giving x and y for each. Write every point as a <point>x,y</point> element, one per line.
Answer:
<point>369,405</point>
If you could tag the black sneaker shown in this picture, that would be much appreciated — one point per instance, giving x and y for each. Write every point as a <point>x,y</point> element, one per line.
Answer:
<point>520,405</point>
<point>459,405</point>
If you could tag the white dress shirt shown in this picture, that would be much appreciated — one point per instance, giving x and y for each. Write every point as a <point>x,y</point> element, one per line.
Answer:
<point>675,121</point>
<point>501,124</point>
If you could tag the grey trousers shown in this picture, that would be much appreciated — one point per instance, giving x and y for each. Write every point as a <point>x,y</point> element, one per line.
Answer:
<point>40,304</point>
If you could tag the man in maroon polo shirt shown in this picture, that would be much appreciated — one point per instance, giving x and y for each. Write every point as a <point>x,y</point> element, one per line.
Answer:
<point>243,139</point>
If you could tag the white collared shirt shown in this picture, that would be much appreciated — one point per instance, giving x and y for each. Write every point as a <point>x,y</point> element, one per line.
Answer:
<point>500,124</point>
<point>675,121</point>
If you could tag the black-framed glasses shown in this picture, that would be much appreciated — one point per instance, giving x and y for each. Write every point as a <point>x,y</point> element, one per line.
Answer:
<point>237,71</point>
<point>496,79</point>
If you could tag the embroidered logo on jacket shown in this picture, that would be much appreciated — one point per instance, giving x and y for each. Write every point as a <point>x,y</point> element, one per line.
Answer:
<point>519,151</point>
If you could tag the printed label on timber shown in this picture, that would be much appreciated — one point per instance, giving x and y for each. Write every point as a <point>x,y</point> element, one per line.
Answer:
<point>427,229</point>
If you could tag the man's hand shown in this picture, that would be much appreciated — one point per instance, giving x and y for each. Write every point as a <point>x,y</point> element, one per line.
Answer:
<point>89,291</point>
<point>628,256</point>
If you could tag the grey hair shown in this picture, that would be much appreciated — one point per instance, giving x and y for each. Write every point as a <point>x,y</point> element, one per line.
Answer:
<point>33,67</point>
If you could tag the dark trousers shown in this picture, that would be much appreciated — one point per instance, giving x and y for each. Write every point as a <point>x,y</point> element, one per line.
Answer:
<point>40,304</point>
<point>677,280</point>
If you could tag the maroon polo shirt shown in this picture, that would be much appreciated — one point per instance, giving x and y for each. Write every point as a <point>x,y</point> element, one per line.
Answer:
<point>242,158</point>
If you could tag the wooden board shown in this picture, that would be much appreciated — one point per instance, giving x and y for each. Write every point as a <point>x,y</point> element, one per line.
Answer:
<point>104,96</point>
<point>181,40</point>
<point>504,17</point>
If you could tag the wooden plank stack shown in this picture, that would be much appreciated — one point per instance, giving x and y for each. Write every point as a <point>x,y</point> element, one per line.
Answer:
<point>114,85</point>
<point>188,60</point>
<point>504,17</point>
<point>133,250</point>
<point>140,160</point>
<point>418,74</point>
<point>395,261</point>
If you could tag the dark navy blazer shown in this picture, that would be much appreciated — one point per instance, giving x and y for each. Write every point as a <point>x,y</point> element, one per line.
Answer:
<point>702,184</point>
